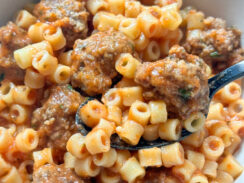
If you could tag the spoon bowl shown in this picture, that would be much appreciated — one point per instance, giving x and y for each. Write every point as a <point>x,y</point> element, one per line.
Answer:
<point>215,83</point>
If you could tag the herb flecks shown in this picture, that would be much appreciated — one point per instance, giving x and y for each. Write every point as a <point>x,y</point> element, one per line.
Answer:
<point>215,54</point>
<point>185,94</point>
<point>70,87</point>
<point>61,106</point>
<point>2,76</point>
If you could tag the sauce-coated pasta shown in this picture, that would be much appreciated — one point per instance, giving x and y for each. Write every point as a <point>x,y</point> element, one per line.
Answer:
<point>147,63</point>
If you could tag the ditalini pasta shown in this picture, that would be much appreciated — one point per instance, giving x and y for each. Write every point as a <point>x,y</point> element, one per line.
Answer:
<point>27,140</point>
<point>106,159</point>
<point>212,147</point>
<point>97,142</point>
<point>150,157</point>
<point>132,170</point>
<point>77,147</point>
<point>198,159</point>
<point>86,167</point>
<point>126,69</point>
<point>170,130</point>
<point>25,19</point>
<point>172,155</point>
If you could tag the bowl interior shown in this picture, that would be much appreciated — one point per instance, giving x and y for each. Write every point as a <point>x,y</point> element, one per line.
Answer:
<point>232,11</point>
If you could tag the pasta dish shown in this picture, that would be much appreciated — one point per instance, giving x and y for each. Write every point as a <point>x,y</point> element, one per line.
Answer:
<point>146,65</point>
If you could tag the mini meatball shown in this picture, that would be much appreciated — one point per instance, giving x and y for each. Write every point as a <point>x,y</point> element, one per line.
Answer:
<point>56,173</point>
<point>236,56</point>
<point>94,59</point>
<point>12,38</point>
<point>215,43</point>
<point>71,15</point>
<point>55,120</point>
<point>181,80</point>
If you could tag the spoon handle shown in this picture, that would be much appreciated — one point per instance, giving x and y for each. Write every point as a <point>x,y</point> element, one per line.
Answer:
<point>223,78</point>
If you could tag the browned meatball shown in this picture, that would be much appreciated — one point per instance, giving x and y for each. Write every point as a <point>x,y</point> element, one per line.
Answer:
<point>215,44</point>
<point>180,79</point>
<point>56,173</point>
<point>94,59</point>
<point>71,15</point>
<point>12,38</point>
<point>236,56</point>
<point>55,120</point>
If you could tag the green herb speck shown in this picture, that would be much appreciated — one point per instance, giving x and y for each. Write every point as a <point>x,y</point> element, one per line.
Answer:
<point>61,106</point>
<point>69,87</point>
<point>2,75</point>
<point>215,54</point>
<point>185,94</point>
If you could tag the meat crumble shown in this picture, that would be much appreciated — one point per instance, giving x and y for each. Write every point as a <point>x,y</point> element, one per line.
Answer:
<point>55,120</point>
<point>216,44</point>
<point>12,38</point>
<point>56,173</point>
<point>70,15</point>
<point>181,80</point>
<point>94,59</point>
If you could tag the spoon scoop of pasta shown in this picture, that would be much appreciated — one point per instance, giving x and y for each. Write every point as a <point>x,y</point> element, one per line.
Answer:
<point>215,83</point>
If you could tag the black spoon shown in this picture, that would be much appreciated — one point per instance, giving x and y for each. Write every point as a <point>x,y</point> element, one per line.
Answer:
<point>215,83</point>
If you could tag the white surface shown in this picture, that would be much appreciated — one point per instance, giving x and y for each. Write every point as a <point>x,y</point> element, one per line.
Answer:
<point>231,10</point>
<point>9,7</point>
